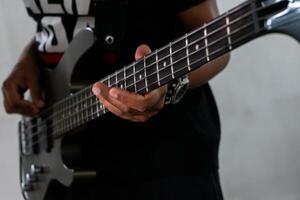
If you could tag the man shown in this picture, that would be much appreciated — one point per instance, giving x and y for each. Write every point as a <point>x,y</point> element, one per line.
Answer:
<point>172,153</point>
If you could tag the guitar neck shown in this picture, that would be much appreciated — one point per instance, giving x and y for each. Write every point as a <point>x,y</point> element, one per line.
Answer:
<point>187,53</point>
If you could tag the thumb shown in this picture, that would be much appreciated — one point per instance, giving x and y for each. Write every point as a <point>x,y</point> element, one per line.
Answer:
<point>36,93</point>
<point>141,51</point>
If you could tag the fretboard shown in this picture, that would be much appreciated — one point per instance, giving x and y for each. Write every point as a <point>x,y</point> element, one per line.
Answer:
<point>175,59</point>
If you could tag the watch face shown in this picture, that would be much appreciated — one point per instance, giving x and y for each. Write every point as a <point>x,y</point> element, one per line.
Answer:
<point>180,90</point>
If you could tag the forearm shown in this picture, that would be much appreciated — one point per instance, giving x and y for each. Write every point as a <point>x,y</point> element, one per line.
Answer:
<point>29,54</point>
<point>208,71</point>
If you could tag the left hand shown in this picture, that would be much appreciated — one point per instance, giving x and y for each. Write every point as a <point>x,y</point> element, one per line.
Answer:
<point>128,105</point>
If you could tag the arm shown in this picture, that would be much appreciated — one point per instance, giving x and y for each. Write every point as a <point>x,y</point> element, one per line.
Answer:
<point>192,19</point>
<point>140,108</point>
<point>24,76</point>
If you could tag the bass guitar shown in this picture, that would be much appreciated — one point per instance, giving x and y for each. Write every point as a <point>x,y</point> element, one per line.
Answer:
<point>41,138</point>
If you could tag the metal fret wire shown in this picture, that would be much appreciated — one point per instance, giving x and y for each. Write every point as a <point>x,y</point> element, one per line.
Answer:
<point>60,131</point>
<point>88,89</point>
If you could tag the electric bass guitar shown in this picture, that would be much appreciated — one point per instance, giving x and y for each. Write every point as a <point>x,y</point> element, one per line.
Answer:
<point>41,138</point>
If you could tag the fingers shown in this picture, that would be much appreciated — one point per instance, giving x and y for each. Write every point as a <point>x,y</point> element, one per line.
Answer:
<point>36,93</point>
<point>135,101</point>
<point>141,51</point>
<point>136,110</point>
<point>14,102</point>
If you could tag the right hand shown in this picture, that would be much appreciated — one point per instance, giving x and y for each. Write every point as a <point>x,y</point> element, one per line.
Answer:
<point>24,76</point>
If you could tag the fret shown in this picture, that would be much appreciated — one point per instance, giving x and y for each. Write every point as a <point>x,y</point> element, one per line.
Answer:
<point>125,77</point>
<point>164,62</point>
<point>85,106</point>
<point>74,111</point>
<point>187,52</point>
<point>157,68</point>
<point>241,24</point>
<point>151,71</point>
<point>196,48</point>
<point>217,38</point>
<point>206,43</point>
<point>94,101</point>
<point>81,107</point>
<point>179,57</point>
<point>228,32</point>
<point>66,119</point>
<point>134,78</point>
<point>145,75</point>
<point>97,103</point>
<point>89,103</point>
<point>113,80</point>
<point>77,109</point>
<point>71,112</point>
<point>140,77</point>
<point>255,16</point>
<point>108,81</point>
<point>130,82</point>
<point>59,113</point>
<point>120,79</point>
<point>171,60</point>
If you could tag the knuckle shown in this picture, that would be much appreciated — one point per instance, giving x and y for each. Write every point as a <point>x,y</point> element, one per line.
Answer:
<point>5,84</point>
<point>8,110</point>
<point>144,118</point>
<point>143,107</point>
<point>126,109</point>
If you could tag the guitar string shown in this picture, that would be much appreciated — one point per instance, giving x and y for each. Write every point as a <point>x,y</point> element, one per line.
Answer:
<point>48,110</point>
<point>57,133</point>
<point>162,69</point>
<point>142,80</point>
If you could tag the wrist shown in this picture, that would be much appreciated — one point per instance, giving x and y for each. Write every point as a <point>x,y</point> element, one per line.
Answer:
<point>176,90</point>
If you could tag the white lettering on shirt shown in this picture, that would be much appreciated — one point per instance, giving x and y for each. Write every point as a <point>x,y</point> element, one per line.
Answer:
<point>31,5</point>
<point>54,31</point>
<point>51,8</point>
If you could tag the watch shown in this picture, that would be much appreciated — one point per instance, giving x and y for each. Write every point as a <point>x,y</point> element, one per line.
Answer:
<point>177,89</point>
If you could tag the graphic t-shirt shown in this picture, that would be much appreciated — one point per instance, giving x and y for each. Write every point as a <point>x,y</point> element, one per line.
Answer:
<point>182,137</point>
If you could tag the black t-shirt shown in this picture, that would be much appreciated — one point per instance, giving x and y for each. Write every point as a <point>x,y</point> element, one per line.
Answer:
<point>182,138</point>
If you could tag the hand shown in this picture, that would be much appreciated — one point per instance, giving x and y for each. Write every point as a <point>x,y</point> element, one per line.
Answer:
<point>131,106</point>
<point>24,76</point>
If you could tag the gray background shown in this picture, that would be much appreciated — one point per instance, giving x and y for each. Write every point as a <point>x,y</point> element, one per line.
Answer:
<point>258,96</point>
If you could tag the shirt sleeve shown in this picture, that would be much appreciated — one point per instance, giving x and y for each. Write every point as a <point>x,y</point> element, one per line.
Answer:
<point>181,5</point>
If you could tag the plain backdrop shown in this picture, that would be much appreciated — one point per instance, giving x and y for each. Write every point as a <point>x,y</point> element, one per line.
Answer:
<point>258,96</point>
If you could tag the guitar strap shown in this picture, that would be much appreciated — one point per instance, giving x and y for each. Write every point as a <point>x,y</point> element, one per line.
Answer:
<point>110,22</point>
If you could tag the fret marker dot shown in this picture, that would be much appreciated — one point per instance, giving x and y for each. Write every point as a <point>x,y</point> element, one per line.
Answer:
<point>141,76</point>
<point>197,47</point>
<point>165,64</point>
<point>122,86</point>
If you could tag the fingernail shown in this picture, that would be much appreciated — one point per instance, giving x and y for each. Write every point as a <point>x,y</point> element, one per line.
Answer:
<point>114,94</point>
<point>96,91</point>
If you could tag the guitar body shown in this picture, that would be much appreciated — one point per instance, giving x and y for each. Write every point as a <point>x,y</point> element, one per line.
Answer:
<point>44,166</point>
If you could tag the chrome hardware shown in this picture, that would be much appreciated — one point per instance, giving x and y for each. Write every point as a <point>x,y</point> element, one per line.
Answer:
<point>34,169</point>
<point>30,178</point>
<point>287,21</point>
<point>109,39</point>
<point>27,187</point>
